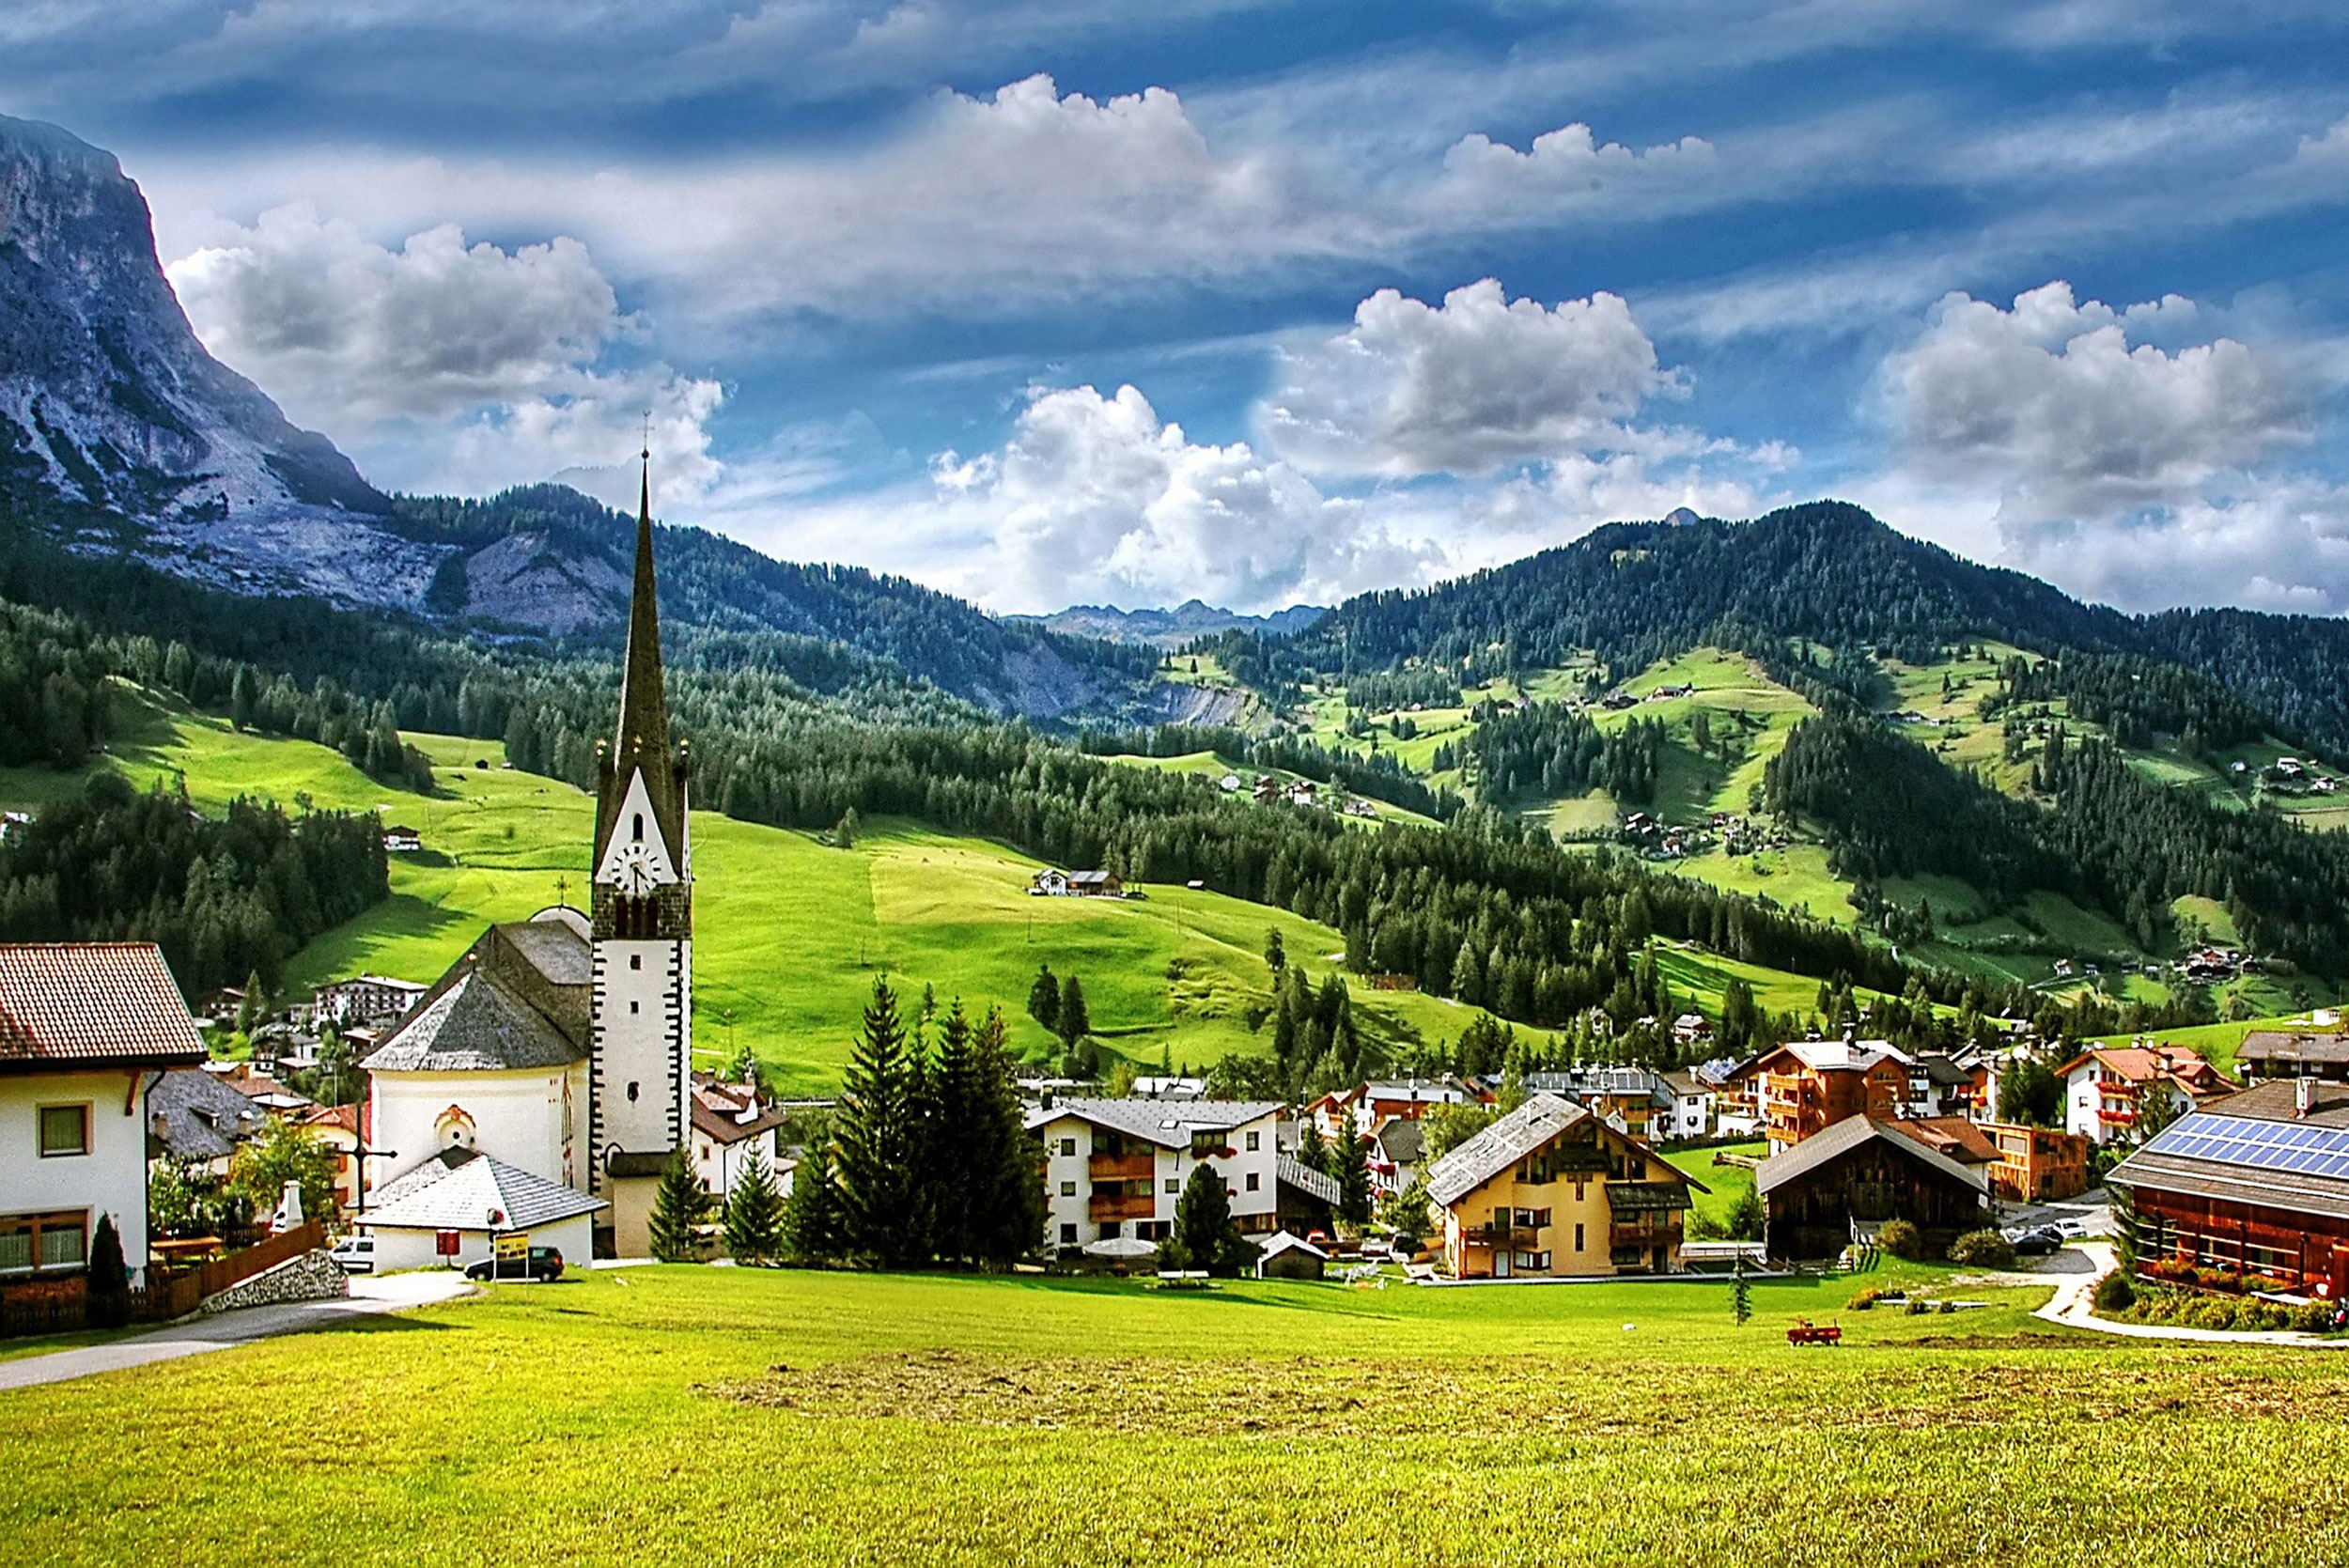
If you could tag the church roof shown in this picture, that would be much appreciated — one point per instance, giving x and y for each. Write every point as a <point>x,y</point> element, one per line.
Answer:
<point>521,997</point>
<point>642,738</point>
<point>456,1189</point>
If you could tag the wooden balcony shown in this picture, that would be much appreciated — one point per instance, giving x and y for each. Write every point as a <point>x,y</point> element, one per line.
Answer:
<point>1120,1206</point>
<point>1123,1168</point>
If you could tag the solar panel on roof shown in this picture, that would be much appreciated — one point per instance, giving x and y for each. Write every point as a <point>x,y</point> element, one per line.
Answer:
<point>2315,1151</point>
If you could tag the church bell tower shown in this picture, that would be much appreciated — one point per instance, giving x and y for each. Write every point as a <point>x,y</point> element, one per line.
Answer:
<point>642,914</point>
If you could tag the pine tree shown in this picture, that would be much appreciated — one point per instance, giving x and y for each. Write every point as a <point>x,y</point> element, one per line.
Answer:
<point>811,1216</point>
<point>878,1134</point>
<point>1204,1235</point>
<point>1311,1152</point>
<point>952,1174</point>
<point>1075,1021</point>
<point>754,1214</point>
<point>843,832</point>
<point>109,1285</point>
<point>1044,999</point>
<point>1275,957</point>
<point>1741,1293</point>
<point>1006,1212</point>
<point>680,1206</point>
<point>1353,1174</point>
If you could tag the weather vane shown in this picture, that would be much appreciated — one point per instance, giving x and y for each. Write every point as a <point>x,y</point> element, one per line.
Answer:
<point>646,454</point>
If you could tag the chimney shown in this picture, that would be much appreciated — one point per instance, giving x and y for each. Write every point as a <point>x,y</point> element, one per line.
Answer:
<point>2303,1095</point>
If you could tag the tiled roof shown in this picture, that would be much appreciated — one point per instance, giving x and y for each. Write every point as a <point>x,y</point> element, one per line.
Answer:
<point>1847,1135</point>
<point>720,1127</point>
<point>94,1004</point>
<point>1303,1177</point>
<point>1166,1123</point>
<point>1517,1135</point>
<point>473,1025</point>
<point>456,1189</point>
<point>197,1116</point>
<point>1843,1056</point>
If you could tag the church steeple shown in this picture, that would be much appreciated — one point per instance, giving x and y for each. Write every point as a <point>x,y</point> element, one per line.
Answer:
<point>640,744</point>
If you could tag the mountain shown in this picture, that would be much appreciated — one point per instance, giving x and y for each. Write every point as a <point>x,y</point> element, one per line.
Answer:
<point>122,437</point>
<point>119,432</point>
<point>1825,573</point>
<point>1171,629</point>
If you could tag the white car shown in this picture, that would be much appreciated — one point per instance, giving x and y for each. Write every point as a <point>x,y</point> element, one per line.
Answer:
<point>356,1253</point>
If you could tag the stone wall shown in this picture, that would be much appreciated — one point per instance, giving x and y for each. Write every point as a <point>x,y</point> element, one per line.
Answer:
<point>311,1277</point>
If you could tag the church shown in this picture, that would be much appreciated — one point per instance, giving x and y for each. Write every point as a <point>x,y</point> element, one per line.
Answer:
<point>541,1084</point>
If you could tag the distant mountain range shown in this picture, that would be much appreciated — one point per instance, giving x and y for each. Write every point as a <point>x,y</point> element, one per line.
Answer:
<point>1171,629</point>
<point>121,436</point>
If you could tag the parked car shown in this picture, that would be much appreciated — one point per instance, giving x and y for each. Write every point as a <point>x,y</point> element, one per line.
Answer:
<point>543,1265</point>
<point>2038,1242</point>
<point>356,1253</point>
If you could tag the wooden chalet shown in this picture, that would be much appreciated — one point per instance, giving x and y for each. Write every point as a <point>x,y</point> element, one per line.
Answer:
<point>1840,1185</point>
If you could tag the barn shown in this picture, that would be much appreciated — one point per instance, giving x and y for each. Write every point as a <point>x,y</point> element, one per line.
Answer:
<point>1841,1184</point>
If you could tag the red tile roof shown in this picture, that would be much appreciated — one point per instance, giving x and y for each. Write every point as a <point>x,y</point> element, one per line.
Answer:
<point>92,1004</point>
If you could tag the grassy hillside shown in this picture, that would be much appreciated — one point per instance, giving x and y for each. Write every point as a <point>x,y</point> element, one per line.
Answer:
<point>630,1416</point>
<point>789,933</point>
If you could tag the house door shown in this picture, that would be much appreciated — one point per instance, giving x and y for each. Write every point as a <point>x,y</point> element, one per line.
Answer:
<point>1500,1265</point>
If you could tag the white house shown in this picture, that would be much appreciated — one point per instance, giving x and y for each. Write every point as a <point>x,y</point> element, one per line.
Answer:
<point>2106,1088</point>
<point>731,1122</point>
<point>475,1198</point>
<point>86,1030</point>
<point>366,999</point>
<point>1114,1169</point>
<point>1691,1112</point>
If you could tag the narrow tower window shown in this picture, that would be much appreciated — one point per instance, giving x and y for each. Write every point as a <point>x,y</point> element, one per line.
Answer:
<point>636,828</point>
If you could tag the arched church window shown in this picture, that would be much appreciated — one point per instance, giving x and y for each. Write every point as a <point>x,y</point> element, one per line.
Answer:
<point>636,828</point>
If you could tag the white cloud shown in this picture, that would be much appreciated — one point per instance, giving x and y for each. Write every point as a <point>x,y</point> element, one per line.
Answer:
<point>1562,167</point>
<point>441,365</point>
<point>2049,403</point>
<point>2052,437</point>
<point>1467,387</point>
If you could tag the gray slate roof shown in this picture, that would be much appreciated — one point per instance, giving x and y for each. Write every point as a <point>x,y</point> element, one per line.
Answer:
<point>1303,1177</point>
<point>520,997</point>
<point>1403,1139</point>
<point>1850,1133</point>
<point>456,1189</point>
<point>197,1116</point>
<point>1168,1123</point>
<point>1484,1156</point>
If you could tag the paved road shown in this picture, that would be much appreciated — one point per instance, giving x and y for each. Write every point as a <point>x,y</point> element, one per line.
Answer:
<point>219,1332</point>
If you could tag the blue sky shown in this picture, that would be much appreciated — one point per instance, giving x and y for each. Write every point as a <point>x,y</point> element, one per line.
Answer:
<point>1051,302</point>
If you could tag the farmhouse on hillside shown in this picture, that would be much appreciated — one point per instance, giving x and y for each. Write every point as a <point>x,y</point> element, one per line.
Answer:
<point>2255,1184</point>
<point>1550,1189</point>
<point>1055,883</point>
<point>1840,1185</point>
<point>86,1029</point>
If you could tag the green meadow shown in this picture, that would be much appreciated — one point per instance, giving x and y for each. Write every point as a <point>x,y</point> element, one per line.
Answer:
<point>708,1415</point>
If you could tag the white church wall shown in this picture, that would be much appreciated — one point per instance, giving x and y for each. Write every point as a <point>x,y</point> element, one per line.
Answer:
<point>645,1006</point>
<point>399,1247</point>
<point>523,1117</point>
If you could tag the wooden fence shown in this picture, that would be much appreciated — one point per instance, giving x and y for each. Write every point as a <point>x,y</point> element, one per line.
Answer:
<point>176,1294</point>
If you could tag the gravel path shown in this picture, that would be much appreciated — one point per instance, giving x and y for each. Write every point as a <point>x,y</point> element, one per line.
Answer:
<point>368,1297</point>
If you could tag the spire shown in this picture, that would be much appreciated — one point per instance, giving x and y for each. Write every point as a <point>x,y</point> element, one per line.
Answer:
<point>642,738</point>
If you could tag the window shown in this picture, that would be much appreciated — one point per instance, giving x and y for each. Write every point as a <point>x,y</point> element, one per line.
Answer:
<point>1068,1146</point>
<point>631,1091</point>
<point>1253,1144</point>
<point>1578,1238</point>
<point>1252,1181</point>
<point>633,1007</point>
<point>636,960</point>
<point>1069,1190</point>
<point>1069,1235</point>
<point>1533,1262</point>
<point>43,1241</point>
<point>64,1129</point>
<point>1174,1187</point>
<point>636,828</point>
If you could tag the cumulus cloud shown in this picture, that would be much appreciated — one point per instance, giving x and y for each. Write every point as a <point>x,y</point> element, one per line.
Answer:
<point>443,364</point>
<point>2054,436</point>
<point>1561,167</point>
<point>1475,384</point>
<point>2051,402</point>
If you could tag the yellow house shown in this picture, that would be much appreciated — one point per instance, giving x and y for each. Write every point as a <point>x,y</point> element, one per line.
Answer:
<point>1550,1191</point>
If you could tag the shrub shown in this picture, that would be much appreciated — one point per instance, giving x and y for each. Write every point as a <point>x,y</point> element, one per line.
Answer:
<point>1865,1299</point>
<point>1982,1249</point>
<point>1918,1307</point>
<point>2315,1317</point>
<point>1901,1239</point>
<point>2114,1293</point>
<point>108,1303</point>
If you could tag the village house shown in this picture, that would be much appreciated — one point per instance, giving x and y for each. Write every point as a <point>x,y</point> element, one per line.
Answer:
<point>2037,1164</point>
<point>376,998</point>
<point>1736,1087</point>
<point>86,1030</point>
<point>2256,1183</point>
<point>1113,1170</point>
<point>1055,883</point>
<point>2274,1053</point>
<point>1551,1190</point>
<point>1807,1086</point>
<point>1692,1111</point>
<point>731,1122</point>
<point>1844,1182</point>
<point>336,1128</point>
<point>400,839</point>
<point>2106,1088</point>
<point>1630,1099</point>
<point>197,1118</point>
<point>1397,1151</point>
<point>1287,1256</point>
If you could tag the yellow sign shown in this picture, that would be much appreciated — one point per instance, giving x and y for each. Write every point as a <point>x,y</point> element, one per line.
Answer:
<point>514,1247</point>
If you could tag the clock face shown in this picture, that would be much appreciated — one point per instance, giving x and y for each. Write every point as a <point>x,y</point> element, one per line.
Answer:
<point>634,873</point>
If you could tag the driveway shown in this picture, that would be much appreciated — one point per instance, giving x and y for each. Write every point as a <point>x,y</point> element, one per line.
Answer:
<point>368,1297</point>
<point>2073,1305</point>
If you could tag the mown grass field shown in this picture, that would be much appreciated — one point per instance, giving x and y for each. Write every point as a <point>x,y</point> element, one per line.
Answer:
<point>718,1415</point>
<point>789,933</point>
<point>1722,1184</point>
